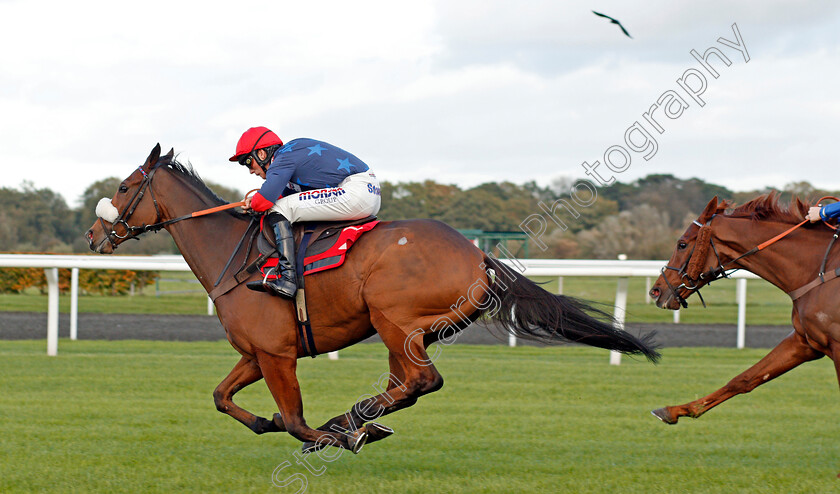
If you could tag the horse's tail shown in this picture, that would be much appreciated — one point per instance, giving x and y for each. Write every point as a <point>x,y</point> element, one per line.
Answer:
<point>526,310</point>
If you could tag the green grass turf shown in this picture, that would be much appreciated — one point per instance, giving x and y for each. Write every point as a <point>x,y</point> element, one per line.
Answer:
<point>131,416</point>
<point>766,304</point>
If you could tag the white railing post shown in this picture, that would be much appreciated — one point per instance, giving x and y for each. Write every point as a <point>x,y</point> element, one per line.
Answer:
<point>210,306</point>
<point>647,290</point>
<point>741,289</point>
<point>620,309</point>
<point>74,303</point>
<point>677,316</point>
<point>52,311</point>
<point>559,285</point>
<point>333,355</point>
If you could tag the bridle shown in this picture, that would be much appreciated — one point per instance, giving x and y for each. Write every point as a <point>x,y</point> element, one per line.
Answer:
<point>133,232</point>
<point>122,219</point>
<point>693,279</point>
<point>689,272</point>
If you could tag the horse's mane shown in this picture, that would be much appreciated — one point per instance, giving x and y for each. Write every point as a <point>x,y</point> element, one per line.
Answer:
<point>188,174</point>
<point>767,206</point>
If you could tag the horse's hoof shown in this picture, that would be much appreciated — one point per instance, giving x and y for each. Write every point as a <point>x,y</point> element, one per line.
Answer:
<point>277,420</point>
<point>357,442</point>
<point>377,432</point>
<point>261,426</point>
<point>354,443</point>
<point>311,447</point>
<point>663,415</point>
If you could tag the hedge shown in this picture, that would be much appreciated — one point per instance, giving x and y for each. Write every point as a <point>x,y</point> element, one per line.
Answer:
<point>99,281</point>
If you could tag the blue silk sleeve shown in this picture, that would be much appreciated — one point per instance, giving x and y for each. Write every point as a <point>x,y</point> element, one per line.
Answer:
<point>830,211</point>
<point>276,178</point>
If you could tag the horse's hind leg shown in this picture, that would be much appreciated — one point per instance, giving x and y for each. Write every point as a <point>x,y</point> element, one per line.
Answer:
<point>395,378</point>
<point>412,375</point>
<point>245,372</point>
<point>792,351</point>
<point>352,421</point>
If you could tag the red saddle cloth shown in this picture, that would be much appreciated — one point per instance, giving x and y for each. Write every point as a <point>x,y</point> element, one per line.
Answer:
<point>329,256</point>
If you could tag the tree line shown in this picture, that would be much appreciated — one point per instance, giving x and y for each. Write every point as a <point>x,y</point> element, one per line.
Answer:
<point>642,218</point>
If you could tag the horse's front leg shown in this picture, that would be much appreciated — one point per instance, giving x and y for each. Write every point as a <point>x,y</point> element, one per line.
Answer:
<point>280,376</point>
<point>792,351</point>
<point>245,372</point>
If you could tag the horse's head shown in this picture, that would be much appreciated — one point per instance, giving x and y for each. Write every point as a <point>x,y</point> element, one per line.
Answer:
<point>695,262</point>
<point>132,208</point>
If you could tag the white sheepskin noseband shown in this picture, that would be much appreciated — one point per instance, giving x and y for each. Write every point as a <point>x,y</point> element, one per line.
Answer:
<point>106,210</point>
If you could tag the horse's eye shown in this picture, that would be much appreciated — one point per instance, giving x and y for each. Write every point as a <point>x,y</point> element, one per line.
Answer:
<point>123,188</point>
<point>682,245</point>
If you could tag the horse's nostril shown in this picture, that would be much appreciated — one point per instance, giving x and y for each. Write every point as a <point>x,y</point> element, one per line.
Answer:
<point>654,292</point>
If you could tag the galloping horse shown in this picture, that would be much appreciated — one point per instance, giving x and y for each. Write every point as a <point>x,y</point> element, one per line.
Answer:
<point>776,244</point>
<point>412,282</point>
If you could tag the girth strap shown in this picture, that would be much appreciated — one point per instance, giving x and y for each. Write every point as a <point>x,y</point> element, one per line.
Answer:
<point>304,327</point>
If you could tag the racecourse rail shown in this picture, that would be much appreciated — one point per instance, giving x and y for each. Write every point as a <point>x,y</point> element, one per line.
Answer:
<point>620,269</point>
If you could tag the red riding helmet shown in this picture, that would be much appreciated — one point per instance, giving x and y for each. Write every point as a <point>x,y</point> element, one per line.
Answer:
<point>253,139</point>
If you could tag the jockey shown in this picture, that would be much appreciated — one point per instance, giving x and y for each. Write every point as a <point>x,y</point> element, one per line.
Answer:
<point>305,180</point>
<point>824,213</point>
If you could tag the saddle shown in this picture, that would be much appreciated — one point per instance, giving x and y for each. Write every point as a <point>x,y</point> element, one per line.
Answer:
<point>319,246</point>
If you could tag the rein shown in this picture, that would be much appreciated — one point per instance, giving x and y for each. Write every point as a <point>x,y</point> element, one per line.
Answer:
<point>692,280</point>
<point>133,232</point>
<point>696,281</point>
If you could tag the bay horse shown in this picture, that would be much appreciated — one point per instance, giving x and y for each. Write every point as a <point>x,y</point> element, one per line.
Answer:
<point>412,282</point>
<point>777,244</point>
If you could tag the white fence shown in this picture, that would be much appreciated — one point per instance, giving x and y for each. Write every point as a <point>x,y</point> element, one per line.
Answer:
<point>533,267</point>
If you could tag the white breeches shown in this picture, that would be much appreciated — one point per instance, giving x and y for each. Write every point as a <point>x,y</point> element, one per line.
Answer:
<point>357,196</point>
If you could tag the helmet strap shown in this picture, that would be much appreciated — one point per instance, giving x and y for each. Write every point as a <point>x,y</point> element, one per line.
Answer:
<point>269,153</point>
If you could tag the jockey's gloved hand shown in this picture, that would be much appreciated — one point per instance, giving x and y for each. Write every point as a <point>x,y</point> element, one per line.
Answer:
<point>813,214</point>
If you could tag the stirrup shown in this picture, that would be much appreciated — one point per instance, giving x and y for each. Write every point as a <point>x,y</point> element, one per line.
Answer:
<point>279,285</point>
<point>261,286</point>
<point>268,273</point>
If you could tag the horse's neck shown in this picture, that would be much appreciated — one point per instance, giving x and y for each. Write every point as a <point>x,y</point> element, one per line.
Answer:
<point>206,242</point>
<point>789,263</point>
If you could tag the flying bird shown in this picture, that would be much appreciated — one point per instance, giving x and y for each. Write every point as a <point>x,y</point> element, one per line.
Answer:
<point>614,22</point>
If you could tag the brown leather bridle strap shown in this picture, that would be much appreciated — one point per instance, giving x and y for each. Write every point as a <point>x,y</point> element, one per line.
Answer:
<point>718,272</point>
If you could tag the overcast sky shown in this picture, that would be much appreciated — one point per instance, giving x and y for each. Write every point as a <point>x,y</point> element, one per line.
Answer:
<point>455,91</point>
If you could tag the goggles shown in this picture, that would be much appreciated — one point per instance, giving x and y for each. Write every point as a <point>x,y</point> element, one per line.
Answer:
<point>246,160</point>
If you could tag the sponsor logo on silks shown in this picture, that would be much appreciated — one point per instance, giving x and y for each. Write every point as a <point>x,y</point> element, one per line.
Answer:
<point>321,194</point>
<point>374,190</point>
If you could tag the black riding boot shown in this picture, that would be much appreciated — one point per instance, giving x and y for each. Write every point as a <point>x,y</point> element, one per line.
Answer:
<point>285,284</point>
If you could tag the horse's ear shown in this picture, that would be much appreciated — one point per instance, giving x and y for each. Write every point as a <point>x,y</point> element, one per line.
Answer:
<point>710,210</point>
<point>153,156</point>
<point>169,156</point>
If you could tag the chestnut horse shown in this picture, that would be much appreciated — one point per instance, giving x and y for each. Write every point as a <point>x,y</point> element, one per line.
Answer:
<point>777,244</point>
<point>412,282</point>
